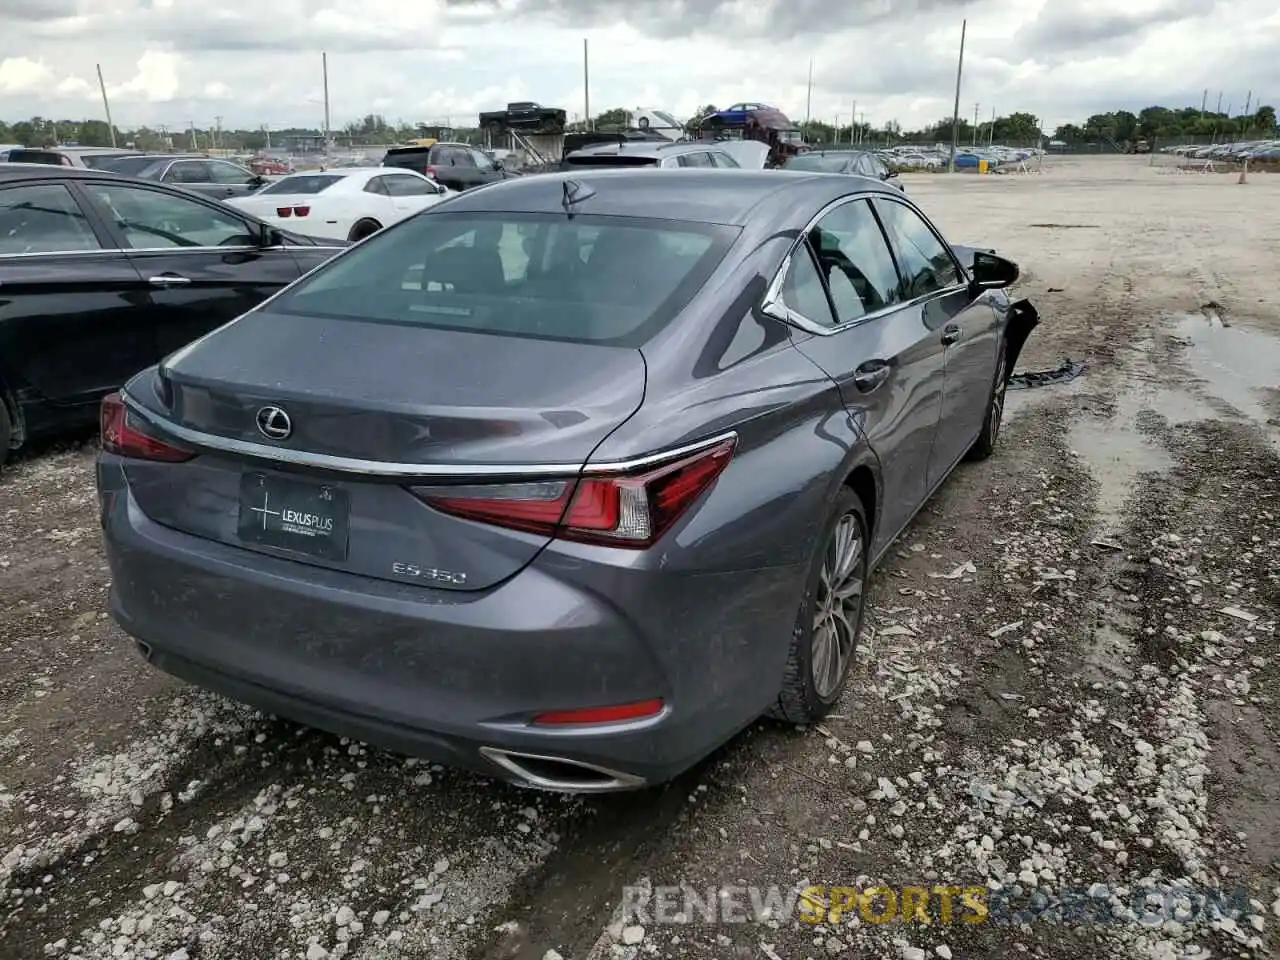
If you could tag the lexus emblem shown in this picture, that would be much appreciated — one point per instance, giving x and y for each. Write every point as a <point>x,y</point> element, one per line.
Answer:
<point>274,423</point>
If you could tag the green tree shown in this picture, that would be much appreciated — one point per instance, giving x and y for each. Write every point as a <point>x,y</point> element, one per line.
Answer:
<point>613,119</point>
<point>1264,120</point>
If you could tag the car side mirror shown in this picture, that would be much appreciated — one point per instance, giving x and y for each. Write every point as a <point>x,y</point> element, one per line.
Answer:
<point>890,174</point>
<point>992,272</point>
<point>270,237</point>
<point>497,164</point>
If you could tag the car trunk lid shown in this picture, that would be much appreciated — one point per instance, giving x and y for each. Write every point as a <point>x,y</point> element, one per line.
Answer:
<point>370,409</point>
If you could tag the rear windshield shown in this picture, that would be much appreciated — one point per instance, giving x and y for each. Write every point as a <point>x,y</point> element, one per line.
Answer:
<point>304,183</point>
<point>35,156</point>
<point>610,160</point>
<point>127,166</point>
<point>97,161</point>
<point>818,163</point>
<point>606,280</point>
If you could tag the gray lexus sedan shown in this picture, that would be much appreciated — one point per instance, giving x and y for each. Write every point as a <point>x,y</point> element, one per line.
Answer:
<point>565,480</point>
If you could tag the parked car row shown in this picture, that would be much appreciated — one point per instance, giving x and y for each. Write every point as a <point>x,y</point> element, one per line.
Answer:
<point>1238,151</point>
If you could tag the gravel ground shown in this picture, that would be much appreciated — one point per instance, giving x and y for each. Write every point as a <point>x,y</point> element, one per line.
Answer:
<point>1073,693</point>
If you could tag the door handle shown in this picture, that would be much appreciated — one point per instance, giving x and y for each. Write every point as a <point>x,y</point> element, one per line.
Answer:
<point>871,374</point>
<point>950,333</point>
<point>167,280</point>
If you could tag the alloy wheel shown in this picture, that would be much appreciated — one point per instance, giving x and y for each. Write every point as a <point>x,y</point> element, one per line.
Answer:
<point>838,605</point>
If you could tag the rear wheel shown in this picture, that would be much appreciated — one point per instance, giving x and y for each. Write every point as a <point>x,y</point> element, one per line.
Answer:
<point>985,445</point>
<point>824,640</point>
<point>362,229</point>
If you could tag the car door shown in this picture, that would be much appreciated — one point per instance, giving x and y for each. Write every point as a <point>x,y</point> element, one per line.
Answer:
<point>193,175</point>
<point>409,194</point>
<point>966,326</point>
<point>204,263</point>
<point>229,180</point>
<point>844,284</point>
<point>72,306</point>
<point>486,170</point>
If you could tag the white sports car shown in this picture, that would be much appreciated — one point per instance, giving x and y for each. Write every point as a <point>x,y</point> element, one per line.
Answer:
<point>348,203</point>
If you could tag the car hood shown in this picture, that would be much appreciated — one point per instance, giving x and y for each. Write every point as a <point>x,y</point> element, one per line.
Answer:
<point>750,154</point>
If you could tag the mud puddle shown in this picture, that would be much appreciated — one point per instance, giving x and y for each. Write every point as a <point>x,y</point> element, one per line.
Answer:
<point>1237,365</point>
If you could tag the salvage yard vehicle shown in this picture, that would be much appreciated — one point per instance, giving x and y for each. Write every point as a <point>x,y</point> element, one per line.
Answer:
<point>347,203</point>
<point>651,153</point>
<point>567,480</point>
<point>220,179</point>
<point>854,162</point>
<point>457,166</point>
<point>101,276</point>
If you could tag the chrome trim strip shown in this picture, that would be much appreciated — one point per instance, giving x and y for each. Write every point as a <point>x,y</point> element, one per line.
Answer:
<point>509,760</point>
<point>97,251</point>
<point>385,468</point>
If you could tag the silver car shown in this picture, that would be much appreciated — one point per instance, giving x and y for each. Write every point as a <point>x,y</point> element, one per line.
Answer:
<point>567,479</point>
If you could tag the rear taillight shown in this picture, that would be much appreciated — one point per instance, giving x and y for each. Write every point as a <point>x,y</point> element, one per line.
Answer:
<point>284,211</point>
<point>429,172</point>
<point>122,435</point>
<point>617,713</point>
<point>301,211</point>
<point>628,510</point>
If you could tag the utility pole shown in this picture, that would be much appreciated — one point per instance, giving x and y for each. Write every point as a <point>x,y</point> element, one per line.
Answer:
<point>975,123</point>
<point>106,106</point>
<point>217,131</point>
<point>853,123</point>
<point>1219,109</point>
<point>586,84</point>
<point>955,113</point>
<point>837,131</point>
<point>324,66</point>
<point>1204,101</point>
<point>266,128</point>
<point>808,103</point>
<point>195,144</point>
<point>991,134</point>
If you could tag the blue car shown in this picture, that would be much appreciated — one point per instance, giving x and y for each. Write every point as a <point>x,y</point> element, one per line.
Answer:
<point>736,115</point>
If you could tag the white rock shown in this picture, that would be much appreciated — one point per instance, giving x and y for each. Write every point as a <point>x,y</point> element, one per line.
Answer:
<point>278,860</point>
<point>381,917</point>
<point>864,746</point>
<point>171,887</point>
<point>943,951</point>
<point>344,916</point>
<point>150,891</point>
<point>632,935</point>
<point>552,955</point>
<point>317,952</point>
<point>179,954</point>
<point>912,953</point>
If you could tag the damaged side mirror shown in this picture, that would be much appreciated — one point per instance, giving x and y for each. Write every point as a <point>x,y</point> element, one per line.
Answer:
<point>992,272</point>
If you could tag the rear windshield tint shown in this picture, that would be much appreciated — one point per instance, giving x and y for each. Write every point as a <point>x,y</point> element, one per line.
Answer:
<point>818,163</point>
<point>610,160</point>
<point>35,156</point>
<point>309,183</point>
<point>607,280</point>
<point>97,161</point>
<point>129,166</point>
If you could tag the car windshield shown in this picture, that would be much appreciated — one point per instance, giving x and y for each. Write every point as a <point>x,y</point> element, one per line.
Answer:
<point>127,166</point>
<point>606,280</point>
<point>302,183</point>
<point>818,163</point>
<point>35,156</point>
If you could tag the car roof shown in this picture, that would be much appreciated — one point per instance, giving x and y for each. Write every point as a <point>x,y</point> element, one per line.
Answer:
<point>646,148</point>
<point>44,171</point>
<point>693,194</point>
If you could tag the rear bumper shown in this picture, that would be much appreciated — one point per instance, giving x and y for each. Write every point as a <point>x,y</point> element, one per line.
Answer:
<point>453,676</point>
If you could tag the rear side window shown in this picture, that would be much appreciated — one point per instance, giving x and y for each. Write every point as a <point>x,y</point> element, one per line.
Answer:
<point>305,183</point>
<point>414,159</point>
<point>853,256</point>
<point>607,280</point>
<point>43,218</point>
<point>927,266</point>
<point>131,166</point>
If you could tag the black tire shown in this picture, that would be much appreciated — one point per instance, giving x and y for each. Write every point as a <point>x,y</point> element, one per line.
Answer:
<point>985,445</point>
<point>362,229</point>
<point>802,699</point>
<point>6,432</point>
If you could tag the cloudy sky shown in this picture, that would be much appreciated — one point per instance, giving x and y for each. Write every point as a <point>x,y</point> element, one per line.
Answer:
<point>253,63</point>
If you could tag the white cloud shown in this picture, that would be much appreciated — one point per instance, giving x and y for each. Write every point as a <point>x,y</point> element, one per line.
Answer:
<point>432,60</point>
<point>19,75</point>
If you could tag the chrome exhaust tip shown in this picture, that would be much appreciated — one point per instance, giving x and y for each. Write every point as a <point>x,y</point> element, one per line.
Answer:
<point>560,774</point>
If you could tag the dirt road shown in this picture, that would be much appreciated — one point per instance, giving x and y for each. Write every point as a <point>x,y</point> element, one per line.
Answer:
<point>1073,692</point>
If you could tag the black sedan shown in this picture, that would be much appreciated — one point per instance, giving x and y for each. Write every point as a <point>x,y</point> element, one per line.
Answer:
<point>103,275</point>
<point>857,162</point>
<point>220,179</point>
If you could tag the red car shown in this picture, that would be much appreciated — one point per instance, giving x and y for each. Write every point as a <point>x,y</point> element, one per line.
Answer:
<point>269,166</point>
